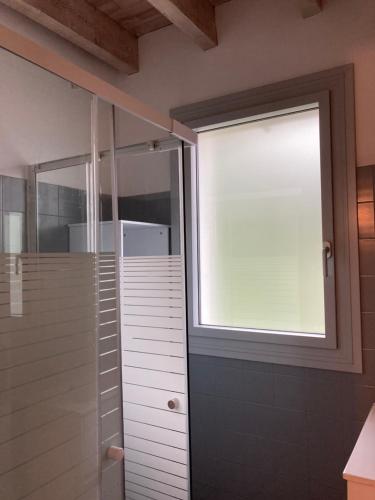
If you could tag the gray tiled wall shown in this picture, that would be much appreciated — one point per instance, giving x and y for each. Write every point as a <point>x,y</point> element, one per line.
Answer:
<point>270,432</point>
<point>58,206</point>
<point>154,207</point>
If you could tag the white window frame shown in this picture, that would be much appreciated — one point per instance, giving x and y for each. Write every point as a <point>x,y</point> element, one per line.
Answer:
<point>340,348</point>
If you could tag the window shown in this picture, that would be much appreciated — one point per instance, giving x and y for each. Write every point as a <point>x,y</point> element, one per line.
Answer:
<point>273,243</point>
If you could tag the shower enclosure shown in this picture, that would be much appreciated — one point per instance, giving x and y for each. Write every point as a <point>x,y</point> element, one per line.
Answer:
<point>93,356</point>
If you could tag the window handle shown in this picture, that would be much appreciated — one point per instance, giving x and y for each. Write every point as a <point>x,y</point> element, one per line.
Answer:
<point>327,254</point>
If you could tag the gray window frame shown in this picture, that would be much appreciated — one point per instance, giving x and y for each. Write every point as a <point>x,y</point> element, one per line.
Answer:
<point>340,349</point>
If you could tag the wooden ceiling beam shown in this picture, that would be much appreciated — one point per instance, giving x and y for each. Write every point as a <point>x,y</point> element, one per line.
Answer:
<point>85,26</point>
<point>196,18</point>
<point>310,8</point>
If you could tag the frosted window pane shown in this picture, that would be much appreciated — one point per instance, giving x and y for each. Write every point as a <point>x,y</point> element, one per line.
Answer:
<point>260,225</point>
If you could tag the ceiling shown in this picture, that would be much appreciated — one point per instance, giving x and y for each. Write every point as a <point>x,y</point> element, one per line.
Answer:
<point>109,29</point>
<point>136,16</point>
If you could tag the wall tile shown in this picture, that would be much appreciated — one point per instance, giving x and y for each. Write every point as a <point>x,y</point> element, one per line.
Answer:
<point>202,377</point>
<point>320,491</point>
<point>325,397</point>
<point>367,293</point>
<point>369,367</point>
<point>51,235</point>
<point>327,453</point>
<point>368,330</point>
<point>48,199</point>
<point>228,382</point>
<point>154,207</point>
<point>14,194</point>
<point>230,414</point>
<point>1,229</point>
<point>367,257</point>
<point>229,477</point>
<point>365,184</point>
<point>258,387</point>
<point>291,392</point>
<point>72,203</point>
<point>366,220</point>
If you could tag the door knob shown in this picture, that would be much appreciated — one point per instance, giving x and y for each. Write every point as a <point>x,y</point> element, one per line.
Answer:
<point>115,453</point>
<point>173,404</point>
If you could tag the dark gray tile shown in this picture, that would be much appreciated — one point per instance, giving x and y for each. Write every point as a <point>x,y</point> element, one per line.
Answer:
<point>14,194</point>
<point>48,199</point>
<point>327,438</point>
<point>228,362</point>
<point>319,491</point>
<point>232,446</point>
<point>367,293</point>
<point>1,229</point>
<point>258,387</point>
<point>72,203</point>
<point>201,374</point>
<point>256,452</point>
<point>365,184</point>
<point>359,400</point>
<point>369,367</point>
<point>258,481</point>
<point>105,207</point>
<point>285,489</point>
<point>51,236</point>
<point>1,192</point>
<point>229,477</point>
<point>296,371</point>
<point>258,366</point>
<point>290,392</point>
<point>366,223</point>
<point>202,491</point>
<point>326,397</point>
<point>368,330</point>
<point>155,207</point>
<point>203,470</point>
<point>276,423</point>
<point>231,414</point>
<point>229,382</point>
<point>289,457</point>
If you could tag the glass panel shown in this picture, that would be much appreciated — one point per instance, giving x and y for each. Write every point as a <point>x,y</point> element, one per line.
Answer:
<point>153,315</point>
<point>62,211</point>
<point>260,225</point>
<point>149,202</point>
<point>110,404</point>
<point>48,333</point>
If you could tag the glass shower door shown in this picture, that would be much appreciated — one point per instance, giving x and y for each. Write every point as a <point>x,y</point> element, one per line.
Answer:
<point>153,321</point>
<point>49,443</point>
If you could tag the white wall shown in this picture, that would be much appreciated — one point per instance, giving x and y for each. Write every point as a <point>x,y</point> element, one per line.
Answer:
<point>263,41</point>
